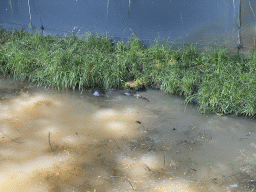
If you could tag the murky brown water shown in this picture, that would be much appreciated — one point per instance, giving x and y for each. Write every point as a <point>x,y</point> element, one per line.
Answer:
<point>64,141</point>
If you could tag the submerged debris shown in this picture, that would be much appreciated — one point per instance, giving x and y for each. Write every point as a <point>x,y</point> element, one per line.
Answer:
<point>96,93</point>
<point>138,122</point>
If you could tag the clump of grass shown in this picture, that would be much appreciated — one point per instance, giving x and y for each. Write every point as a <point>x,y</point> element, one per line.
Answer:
<point>221,82</point>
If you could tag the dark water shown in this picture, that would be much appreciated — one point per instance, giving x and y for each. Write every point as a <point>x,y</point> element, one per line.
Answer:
<point>67,141</point>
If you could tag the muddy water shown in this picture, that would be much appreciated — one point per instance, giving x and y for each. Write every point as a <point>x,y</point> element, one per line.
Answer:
<point>65,141</point>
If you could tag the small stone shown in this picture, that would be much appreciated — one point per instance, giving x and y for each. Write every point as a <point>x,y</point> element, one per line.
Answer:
<point>96,93</point>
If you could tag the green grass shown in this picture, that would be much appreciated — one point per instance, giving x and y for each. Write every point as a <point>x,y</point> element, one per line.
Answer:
<point>222,83</point>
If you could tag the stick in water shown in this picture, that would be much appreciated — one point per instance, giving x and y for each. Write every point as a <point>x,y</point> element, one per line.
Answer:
<point>49,140</point>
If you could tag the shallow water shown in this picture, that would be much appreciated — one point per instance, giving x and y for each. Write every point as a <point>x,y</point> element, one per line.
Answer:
<point>65,141</point>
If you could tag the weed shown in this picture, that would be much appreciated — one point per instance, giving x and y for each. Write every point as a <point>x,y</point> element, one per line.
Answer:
<point>221,82</point>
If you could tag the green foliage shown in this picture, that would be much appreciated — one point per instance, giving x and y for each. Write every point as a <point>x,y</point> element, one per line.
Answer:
<point>221,82</point>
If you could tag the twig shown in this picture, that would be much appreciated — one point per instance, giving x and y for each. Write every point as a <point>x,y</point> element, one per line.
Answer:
<point>133,188</point>
<point>126,180</point>
<point>146,167</point>
<point>164,159</point>
<point>49,140</point>
<point>117,145</point>
<point>123,133</point>
<point>9,137</point>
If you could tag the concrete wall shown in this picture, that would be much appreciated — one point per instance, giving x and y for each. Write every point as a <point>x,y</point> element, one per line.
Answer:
<point>187,21</point>
<point>248,29</point>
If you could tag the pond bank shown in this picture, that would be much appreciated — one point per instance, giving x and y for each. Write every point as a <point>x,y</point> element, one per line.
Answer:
<point>220,82</point>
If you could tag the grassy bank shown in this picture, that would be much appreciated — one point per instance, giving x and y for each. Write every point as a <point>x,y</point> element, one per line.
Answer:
<point>221,82</point>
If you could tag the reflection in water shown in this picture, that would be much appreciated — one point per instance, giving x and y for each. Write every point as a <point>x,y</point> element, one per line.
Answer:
<point>68,141</point>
